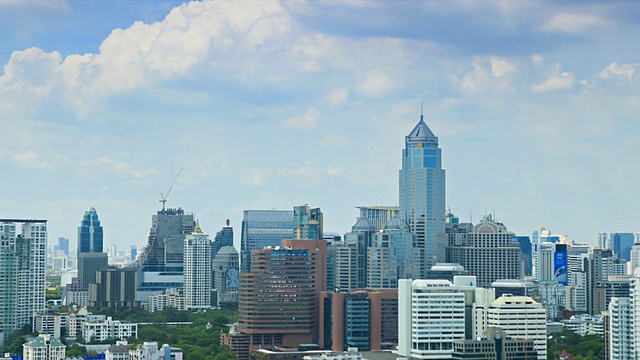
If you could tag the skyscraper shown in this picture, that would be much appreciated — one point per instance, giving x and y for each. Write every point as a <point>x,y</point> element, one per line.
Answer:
<point>22,272</point>
<point>307,223</point>
<point>90,235</point>
<point>262,228</point>
<point>197,270</point>
<point>161,260</point>
<point>422,197</point>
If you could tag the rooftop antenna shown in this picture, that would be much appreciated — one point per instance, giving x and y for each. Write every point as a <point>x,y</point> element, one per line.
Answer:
<point>421,114</point>
<point>163,198</point>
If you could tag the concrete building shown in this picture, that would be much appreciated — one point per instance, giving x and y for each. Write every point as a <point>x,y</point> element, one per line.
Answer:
<point>585,324</point>
<point>197,270</point>
<point>366,319</point>
<point>43,347</point>
<point>494,345</point>
<point>150,351</point>
<point>382,262</point>
<point>489,252</point>
<point>99,330</point>
<point>262,228</point>
<point>173,298</point>
<point>278,300</point>
<point>50,322</point>
<point>307,223</point>
<point>160,262</point>
<point>114,288</point>
<point>238,343</point>
<point>432,314</point>
<point>620,334</point>
<point>226,279</point>
<point>521,318</point>
<point>553,296</point>
<point>422,197</point>
<point>22,273</point>
<point>379,216</point>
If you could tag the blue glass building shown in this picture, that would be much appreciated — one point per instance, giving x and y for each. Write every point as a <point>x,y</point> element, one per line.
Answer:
<point>622,243</point>
<point>90,235</point>
<point>525,253</point>
<point>422,197</point>
<point>262,228</point>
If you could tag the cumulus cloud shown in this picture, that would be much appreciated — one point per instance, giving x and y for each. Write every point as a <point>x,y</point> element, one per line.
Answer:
<point>334,141</point>
<point>337,97</point>
<point>614,70</point>
<point>573,23</point>
<point>563,81</point>
<point>376,84</point>
<point>488,74</point>
<point>306,121</point>
<point>30,159</point>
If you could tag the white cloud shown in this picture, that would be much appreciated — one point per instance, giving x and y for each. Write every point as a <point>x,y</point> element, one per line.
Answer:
<point>616,70</point>
<point>573,23</point>
<point>501,67</point>
<point>488,74</point>
<point>306,121</point>
<point>333,141</point>
<point>30,159</point>
<point>563,81</point>
<point>338,97</point>
<point>376,84</point>
<point>537,59</point>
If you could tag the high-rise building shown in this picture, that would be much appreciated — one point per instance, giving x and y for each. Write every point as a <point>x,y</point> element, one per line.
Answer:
<point>489,252</point>
<point>115,288</point>
<point>382,262</point>
<point>620,329</point>
<point>521,318</point>
<point>262,228</point>
<point>22,273</point>
<point>621,244</point>
<point>63,245</point>
<point>379,216</point>
<point>226,267</point>
<point>364,318</point>
<point>223,238</point>
<point>552,262</point>
<point>307,223</point>
<point>160,262</point>
<point>525,253</point>
<point>402,239</point>
<point>278,300</point>
<point>350,269</point>
<point>422,197</point>
<point>197,270</point>
<point>635,255</point>
<point>432,314</point>
<point>133,252</point>
<point>90,234</point>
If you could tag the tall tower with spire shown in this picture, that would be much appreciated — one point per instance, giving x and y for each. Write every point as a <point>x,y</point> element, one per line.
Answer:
<point>422,197</point>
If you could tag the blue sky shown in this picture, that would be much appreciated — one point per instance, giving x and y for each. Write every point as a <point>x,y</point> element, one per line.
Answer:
<point>275,104</point>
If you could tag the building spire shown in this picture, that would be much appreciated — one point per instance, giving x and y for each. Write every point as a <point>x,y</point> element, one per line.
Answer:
<point>197,229</point>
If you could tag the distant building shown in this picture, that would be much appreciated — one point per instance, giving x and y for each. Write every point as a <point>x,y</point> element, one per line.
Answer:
<point>621,244</point>
<point>150,351</point>
<point>422,197</point>
<point>278,300</point>
<point>114,288</point>
<point>226,266</point>
<point>446,271</point>
<point>585,324</point>
<point>22,273</point>
<point>90,233</point>
<point>495,345</point>
<point>170,298</point>
<point>366,319</point>
<point>262,228</point>
<point>50,322</point>
<point>422,301</point>
<point>161,264</point>
<point>43,347</point>
<point>100,330</point>
<point>197,270</point>
<point>308,223</point>
<point>521,318</point>
<point>379,216</point>
<point>488,252</point>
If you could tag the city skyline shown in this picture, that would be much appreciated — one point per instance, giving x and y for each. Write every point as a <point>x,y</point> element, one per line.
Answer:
<point>273,105</point>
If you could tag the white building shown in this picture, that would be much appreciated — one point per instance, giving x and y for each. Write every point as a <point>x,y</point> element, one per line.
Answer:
<point>108,329</point>
<point>43,347</point>
<point>150,351</point>
<point>431,316</point>
<point>481,304</point>
<point>119,351</point>
<point>521,318</point>
<point>554,297</point>
<point>585,324</point>
<point>173,298</point>
<point>197,270</point>
<point>23,260</point>
<point>621,345</point>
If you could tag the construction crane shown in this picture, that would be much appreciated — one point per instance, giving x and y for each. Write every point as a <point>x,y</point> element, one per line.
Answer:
<point>163,198</point>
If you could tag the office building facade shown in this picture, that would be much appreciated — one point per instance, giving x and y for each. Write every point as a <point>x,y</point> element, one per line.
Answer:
<point>262,228</point>
<point>278,300</point>
<point>308,223</point>
<point>90,233</point>
<point>379,216</point>
<point>422,197</point>
<point>226,266</point>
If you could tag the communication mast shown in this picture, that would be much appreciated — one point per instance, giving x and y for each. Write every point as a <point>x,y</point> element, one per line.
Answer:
<point>163,198</point>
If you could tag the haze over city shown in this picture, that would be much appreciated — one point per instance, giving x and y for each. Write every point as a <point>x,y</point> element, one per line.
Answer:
<point>275,104</point>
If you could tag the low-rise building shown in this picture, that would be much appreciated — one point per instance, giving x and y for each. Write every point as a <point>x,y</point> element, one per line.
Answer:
<point>585,324</point>
<point>173,298</point>
<point>43,347</point>
<point>108,329</point>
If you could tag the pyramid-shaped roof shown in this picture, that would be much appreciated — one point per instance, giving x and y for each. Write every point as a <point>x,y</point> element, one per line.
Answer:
<point>421,133</point>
